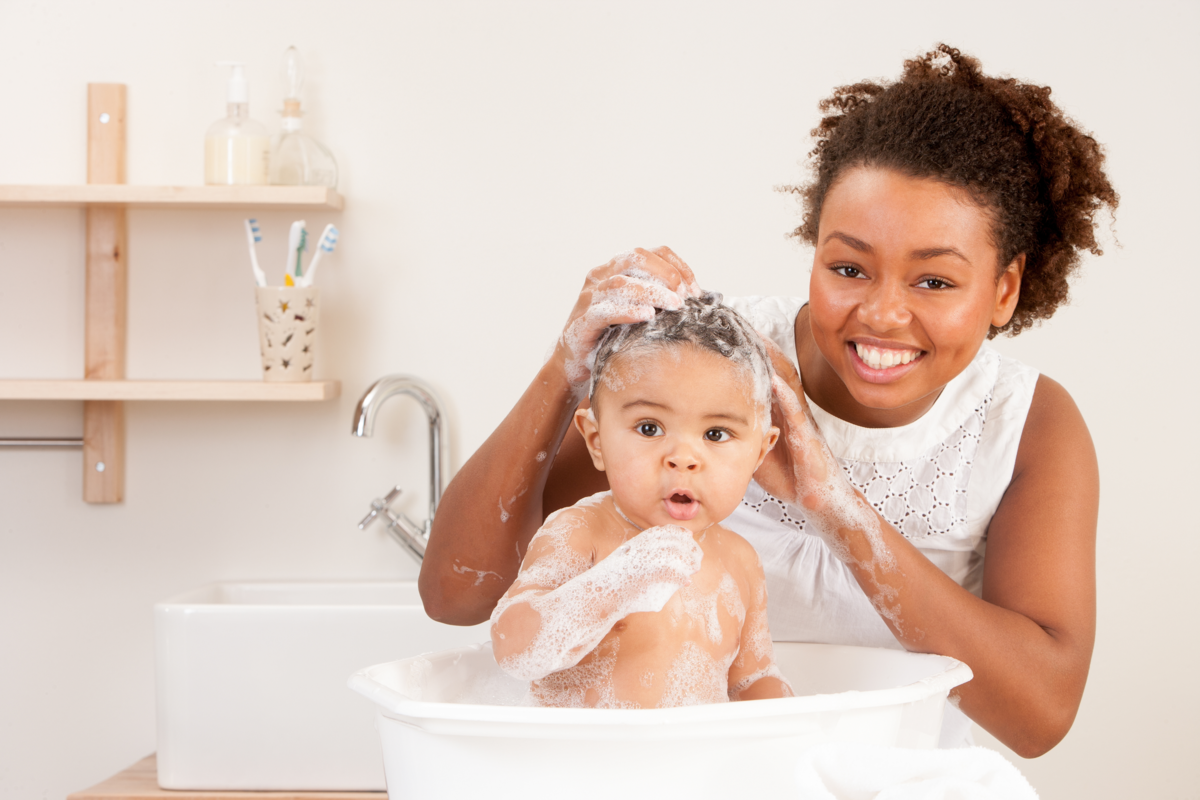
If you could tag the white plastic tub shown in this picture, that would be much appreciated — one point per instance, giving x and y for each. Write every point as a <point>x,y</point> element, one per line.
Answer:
<point>447,733</point>
<point>252,681</point>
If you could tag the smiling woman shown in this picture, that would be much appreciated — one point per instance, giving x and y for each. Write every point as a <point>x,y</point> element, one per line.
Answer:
<point>926,493</point>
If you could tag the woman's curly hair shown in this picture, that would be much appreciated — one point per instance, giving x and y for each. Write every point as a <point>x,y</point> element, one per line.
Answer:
<point>1036,173</point>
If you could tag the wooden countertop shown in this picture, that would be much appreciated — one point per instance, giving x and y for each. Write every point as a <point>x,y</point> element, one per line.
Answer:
<point>140,782</point>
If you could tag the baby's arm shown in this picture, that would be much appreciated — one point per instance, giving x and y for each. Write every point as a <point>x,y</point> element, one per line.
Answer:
<point>753,674</point>
<point>561,607</point>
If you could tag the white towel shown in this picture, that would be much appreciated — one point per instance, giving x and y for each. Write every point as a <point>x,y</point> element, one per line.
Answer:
<point>873,772</point>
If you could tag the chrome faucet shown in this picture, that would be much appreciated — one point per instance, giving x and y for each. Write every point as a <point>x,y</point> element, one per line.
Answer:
<point>410,535</point>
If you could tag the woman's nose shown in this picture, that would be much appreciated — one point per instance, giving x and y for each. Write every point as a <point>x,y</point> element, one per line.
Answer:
<point>885,307</point>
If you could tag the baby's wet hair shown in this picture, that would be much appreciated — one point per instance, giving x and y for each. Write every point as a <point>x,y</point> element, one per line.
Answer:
<point>703,322</point>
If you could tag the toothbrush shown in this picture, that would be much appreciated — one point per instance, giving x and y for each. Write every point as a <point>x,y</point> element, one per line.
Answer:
<point>329,238</point>
<point>252,236</point>
<point>296,242</point>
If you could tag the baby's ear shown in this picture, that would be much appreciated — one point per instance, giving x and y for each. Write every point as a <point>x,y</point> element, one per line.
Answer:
<point>769,441</point>
<point>589,428</point>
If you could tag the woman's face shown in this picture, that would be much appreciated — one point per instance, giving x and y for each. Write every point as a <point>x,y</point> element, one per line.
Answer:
<point>903,293</point>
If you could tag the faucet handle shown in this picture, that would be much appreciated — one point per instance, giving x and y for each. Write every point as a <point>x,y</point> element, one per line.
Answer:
<point>378,505</point>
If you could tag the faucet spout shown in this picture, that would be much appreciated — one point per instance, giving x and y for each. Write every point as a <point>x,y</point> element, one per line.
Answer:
<point>364,425</point>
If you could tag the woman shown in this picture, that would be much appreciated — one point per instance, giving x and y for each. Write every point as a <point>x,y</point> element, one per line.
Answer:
<point>946,208</point>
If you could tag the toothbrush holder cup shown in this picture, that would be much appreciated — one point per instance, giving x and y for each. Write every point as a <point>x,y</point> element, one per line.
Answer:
<point>287,331</point>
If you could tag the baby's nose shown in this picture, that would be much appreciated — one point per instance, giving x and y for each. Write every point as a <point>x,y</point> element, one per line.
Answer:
<point>683,461</point>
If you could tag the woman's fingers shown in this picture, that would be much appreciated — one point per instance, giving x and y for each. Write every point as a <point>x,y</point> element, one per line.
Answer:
<point>688,278</point>
<point>660,264</point>
<point>782,365</point>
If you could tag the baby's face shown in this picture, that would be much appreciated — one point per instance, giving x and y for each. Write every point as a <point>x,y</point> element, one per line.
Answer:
<point>678,434</point>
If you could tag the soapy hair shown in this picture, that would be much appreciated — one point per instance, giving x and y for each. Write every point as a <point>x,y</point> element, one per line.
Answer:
<point>1039,176</point>
<point>703,322</point>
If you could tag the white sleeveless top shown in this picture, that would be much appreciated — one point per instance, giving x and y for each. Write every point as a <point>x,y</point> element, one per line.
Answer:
<point>938,481</point>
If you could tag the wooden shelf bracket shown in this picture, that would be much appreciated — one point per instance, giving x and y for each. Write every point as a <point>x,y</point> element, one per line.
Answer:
<point>106,298</point>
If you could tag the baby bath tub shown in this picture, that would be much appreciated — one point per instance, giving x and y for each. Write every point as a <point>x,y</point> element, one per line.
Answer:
<point>450,724</point>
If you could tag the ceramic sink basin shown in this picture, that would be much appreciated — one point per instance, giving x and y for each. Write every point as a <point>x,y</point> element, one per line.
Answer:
<point>251,681</point>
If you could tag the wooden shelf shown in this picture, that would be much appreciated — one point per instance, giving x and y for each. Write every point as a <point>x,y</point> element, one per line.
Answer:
<point>168,390</point>
<point>105,198</point>
<point>118,194</point>
<point>140,782</point>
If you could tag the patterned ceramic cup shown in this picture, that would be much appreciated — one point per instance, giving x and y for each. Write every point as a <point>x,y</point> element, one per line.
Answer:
<point>287,331</point>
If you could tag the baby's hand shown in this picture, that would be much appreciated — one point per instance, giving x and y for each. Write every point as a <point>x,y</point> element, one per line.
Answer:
<point>652,566</point>
<point>627,289</point>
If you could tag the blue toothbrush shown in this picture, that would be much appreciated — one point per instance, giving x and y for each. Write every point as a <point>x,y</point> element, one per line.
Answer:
<point>253,236</point>
<point>329,238</point>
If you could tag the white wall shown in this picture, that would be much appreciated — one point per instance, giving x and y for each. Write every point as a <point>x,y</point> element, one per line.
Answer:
<point>490,154</point>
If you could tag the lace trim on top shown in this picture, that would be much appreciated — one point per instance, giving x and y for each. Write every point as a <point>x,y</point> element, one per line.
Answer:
<point>920,497</point>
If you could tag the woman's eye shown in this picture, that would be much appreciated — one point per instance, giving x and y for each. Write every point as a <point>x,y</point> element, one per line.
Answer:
<point>649,429</point>
<point>716,435</point>
<point>848,271</point>
<point>934,283</point>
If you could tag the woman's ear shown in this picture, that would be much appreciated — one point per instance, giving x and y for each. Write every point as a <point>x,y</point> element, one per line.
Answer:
<point>1008,291</point>
<point>589,428</point>
<point>769,442</point>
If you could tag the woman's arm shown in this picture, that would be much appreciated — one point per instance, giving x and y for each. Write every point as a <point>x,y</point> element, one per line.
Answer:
<point>1029,639</point>
<point>494,505</point>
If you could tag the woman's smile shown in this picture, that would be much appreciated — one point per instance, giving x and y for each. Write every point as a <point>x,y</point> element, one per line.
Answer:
<point>883,364</point>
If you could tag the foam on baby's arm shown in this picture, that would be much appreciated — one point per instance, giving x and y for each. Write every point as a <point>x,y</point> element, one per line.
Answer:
<point>561,607</point>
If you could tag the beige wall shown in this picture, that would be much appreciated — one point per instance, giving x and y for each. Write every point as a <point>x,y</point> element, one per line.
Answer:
<point>491,153</point>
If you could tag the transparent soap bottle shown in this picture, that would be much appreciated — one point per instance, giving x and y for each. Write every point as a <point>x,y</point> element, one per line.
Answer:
<point>297,159</point>
<point>236,147</point>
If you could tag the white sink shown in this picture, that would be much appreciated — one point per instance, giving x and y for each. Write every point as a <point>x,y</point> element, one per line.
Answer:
<point>251,681</point>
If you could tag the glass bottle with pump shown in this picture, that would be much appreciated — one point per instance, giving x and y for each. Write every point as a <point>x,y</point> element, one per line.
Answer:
<point>297,159</point>
<point>236,147</point>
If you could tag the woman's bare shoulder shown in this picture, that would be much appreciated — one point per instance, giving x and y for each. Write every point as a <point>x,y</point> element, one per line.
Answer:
<point>1055,434</point>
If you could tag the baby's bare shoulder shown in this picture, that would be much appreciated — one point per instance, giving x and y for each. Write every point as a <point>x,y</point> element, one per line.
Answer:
<point>739,553</point>
<point>580,526</point>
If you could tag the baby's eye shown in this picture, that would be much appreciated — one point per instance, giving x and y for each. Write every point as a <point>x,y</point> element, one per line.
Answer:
<point>649,429</point>
<point>716,435</point>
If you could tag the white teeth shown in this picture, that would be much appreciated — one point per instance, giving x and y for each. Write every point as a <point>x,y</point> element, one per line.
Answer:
<point>877,358</point>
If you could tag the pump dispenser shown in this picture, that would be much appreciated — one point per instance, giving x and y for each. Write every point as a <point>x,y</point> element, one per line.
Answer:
<point>297,159</point>
<point>235,148</point>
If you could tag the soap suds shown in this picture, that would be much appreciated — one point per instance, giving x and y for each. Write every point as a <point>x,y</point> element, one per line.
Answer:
<point>695,678</point>
<point>479,574</point>
<point>772,671</point>
<point>578,603</point>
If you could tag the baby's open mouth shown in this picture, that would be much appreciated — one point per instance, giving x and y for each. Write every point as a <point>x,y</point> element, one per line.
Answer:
<point>682,505</point>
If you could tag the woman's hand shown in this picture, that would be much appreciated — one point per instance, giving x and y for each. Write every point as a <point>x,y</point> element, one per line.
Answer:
<point>802,470</point>
<point>800,462</point>
<point>627,289</point>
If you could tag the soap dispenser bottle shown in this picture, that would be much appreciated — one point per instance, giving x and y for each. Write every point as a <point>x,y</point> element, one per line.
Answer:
<point>236,147</point>
<point>297,159</point>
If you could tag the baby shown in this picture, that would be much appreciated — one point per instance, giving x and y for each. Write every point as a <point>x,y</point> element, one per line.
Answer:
<point>637,597</point>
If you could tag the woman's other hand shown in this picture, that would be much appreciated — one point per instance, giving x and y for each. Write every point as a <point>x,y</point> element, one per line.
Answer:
<point>801,459</point>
